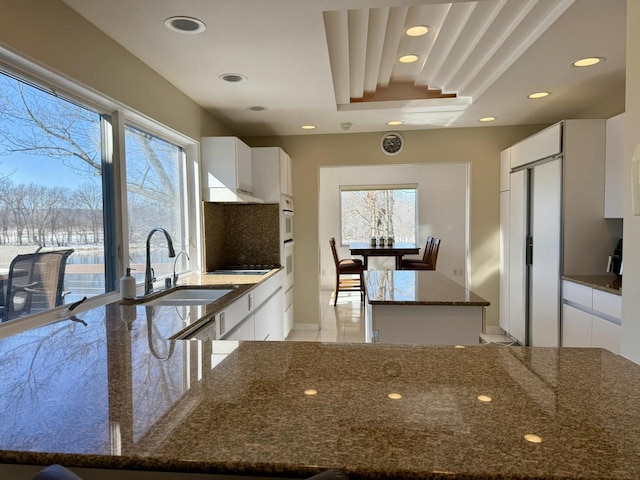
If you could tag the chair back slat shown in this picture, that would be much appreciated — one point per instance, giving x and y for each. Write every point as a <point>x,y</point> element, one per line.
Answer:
<point>336,260</point>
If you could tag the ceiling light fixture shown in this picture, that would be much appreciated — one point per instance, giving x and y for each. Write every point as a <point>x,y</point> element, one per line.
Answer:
<point>487,119</point>
<point>533,438</point>
<point>308,127</point>
<point>417,31</point>
<point>408,58</point>
<point>187,25</point>
<point>257,108</point>
<point>588,62</point>
<point>538,95</point>
<point>233,77</point>
<point>394,396</point>
<point>393,123</point>
<point>484,398</point>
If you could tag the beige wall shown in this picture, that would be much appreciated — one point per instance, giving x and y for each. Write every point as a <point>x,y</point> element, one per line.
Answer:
<point>480,146</point>
<point>54,35</point>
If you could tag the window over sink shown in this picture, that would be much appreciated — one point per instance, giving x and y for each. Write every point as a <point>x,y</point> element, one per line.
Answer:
<point>64,183</point>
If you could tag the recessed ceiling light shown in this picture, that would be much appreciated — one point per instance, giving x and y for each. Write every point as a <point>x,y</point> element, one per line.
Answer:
<point>408,58</point>
<point>417,31</point>
<point>310,391</point>
<point>257,108</point>
<point>394,396</point>
<point>487,119</point>
<point>538,95</point>
<point>185,24</point>
<point>484,398</point>
<point>308,127</point>
<point>233,77</point>
<point>393,123</point>
<point>587,62</point>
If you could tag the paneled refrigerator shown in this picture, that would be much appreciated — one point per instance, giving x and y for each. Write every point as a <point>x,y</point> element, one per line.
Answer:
<point>552,224</point>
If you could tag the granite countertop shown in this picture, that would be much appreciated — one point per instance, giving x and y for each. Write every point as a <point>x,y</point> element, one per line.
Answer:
<point>606,282</point>
<point>417,287</point>
<point>117,394</point>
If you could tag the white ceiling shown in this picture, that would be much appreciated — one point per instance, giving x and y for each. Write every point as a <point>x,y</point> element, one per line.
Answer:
<point>314,61</point>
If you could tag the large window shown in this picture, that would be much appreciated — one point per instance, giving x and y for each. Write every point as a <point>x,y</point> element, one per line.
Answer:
<point>51,182</point>
<point>61,189</point>
<point>378,211</point>
<point>155,198</point>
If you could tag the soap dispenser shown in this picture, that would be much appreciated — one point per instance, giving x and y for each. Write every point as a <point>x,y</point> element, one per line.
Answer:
<point>128,285</point>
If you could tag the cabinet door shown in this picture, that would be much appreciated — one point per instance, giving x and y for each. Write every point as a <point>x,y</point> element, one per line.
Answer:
<point>286,184</point>
<point>605,334</point>
<point>269,319</point>
<point>244,331</point>
<point>244,165</point>
<point>545,217</point>
<point>543,144</point>
<point>614,167</point>
<point>504,261</point>
<point>517,255</point>
<point>576,327</point>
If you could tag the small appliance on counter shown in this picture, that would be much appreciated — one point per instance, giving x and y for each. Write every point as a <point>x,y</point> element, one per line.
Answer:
<point>614,264</point>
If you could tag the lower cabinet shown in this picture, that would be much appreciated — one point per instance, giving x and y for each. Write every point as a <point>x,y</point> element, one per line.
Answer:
<point>257,315</point>
<point>590,317</point>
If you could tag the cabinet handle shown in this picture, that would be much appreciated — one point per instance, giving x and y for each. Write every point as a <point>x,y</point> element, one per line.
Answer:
<point>250,301</point>
<point>222,324</point>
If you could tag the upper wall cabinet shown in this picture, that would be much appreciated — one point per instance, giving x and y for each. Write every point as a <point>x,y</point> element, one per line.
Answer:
<point>614,166</point>
<point>272,172</point>
<point>546,143</point>
<point>227,170</point>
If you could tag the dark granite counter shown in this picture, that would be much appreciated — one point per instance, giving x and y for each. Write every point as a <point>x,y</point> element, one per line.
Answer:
<point>606,282</point>
<point>112,391</point>
<point>417,287</point>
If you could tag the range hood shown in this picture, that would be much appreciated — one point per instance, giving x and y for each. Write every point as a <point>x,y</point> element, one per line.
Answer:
<point>228,195</point>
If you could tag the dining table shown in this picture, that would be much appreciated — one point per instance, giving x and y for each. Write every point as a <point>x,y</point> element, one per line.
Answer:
<point>397,250</point>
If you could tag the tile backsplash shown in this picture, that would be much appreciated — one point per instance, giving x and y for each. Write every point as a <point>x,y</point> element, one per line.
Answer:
<point>241,234</point>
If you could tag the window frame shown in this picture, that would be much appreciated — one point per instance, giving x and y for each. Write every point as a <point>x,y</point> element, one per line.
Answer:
<point>114,115</point>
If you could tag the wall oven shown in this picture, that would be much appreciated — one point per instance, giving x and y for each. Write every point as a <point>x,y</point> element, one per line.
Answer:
<point>286,225</point>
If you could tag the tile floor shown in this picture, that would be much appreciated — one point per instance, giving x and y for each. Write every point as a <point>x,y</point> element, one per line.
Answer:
<point>342,323</point>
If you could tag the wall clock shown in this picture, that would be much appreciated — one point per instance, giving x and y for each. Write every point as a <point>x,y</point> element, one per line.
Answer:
<point>391,143</point>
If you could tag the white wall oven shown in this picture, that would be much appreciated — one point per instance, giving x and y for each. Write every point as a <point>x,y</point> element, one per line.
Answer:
<point>286,236</point>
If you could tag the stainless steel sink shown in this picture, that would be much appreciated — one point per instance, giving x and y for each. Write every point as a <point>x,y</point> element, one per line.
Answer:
<point>190,296</point>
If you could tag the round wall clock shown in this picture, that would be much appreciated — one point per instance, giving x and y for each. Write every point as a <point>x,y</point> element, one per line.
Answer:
<point>391,143</point>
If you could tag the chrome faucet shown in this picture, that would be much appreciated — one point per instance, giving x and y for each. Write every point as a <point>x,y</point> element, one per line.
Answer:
<point>175,275</point>
<point>149,276</point>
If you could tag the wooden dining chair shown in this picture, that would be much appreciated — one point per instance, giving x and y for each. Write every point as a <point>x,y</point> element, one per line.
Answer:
<point>429,257</point>
<point>347,267</point>
<point>35,283</point>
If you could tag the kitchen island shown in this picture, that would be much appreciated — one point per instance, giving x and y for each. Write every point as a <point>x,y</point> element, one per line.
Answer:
<point>421,307</point>
<point>108,391</point>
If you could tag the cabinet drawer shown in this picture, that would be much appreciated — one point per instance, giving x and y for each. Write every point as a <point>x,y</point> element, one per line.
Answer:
<point>607,303</point>
<point>576,293</point>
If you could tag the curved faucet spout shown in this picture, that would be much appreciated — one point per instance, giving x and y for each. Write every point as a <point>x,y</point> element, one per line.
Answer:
<point>149,276</point>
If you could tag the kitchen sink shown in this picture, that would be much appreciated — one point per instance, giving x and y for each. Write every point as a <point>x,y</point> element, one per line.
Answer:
<point>190,296</point>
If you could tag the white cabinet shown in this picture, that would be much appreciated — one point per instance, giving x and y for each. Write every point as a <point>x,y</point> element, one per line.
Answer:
<point>590,317</point>
<point>272,173</point>
<point>543,144</point>
<point>257,315</point>
<point>614,177</point>
<point>505,171</point>
<point>227,170</point>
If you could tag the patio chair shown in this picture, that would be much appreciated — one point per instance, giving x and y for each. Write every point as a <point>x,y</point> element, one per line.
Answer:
<point>35,283</point>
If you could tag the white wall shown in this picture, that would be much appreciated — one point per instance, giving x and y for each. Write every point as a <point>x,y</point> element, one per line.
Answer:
<point>442,211</point>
